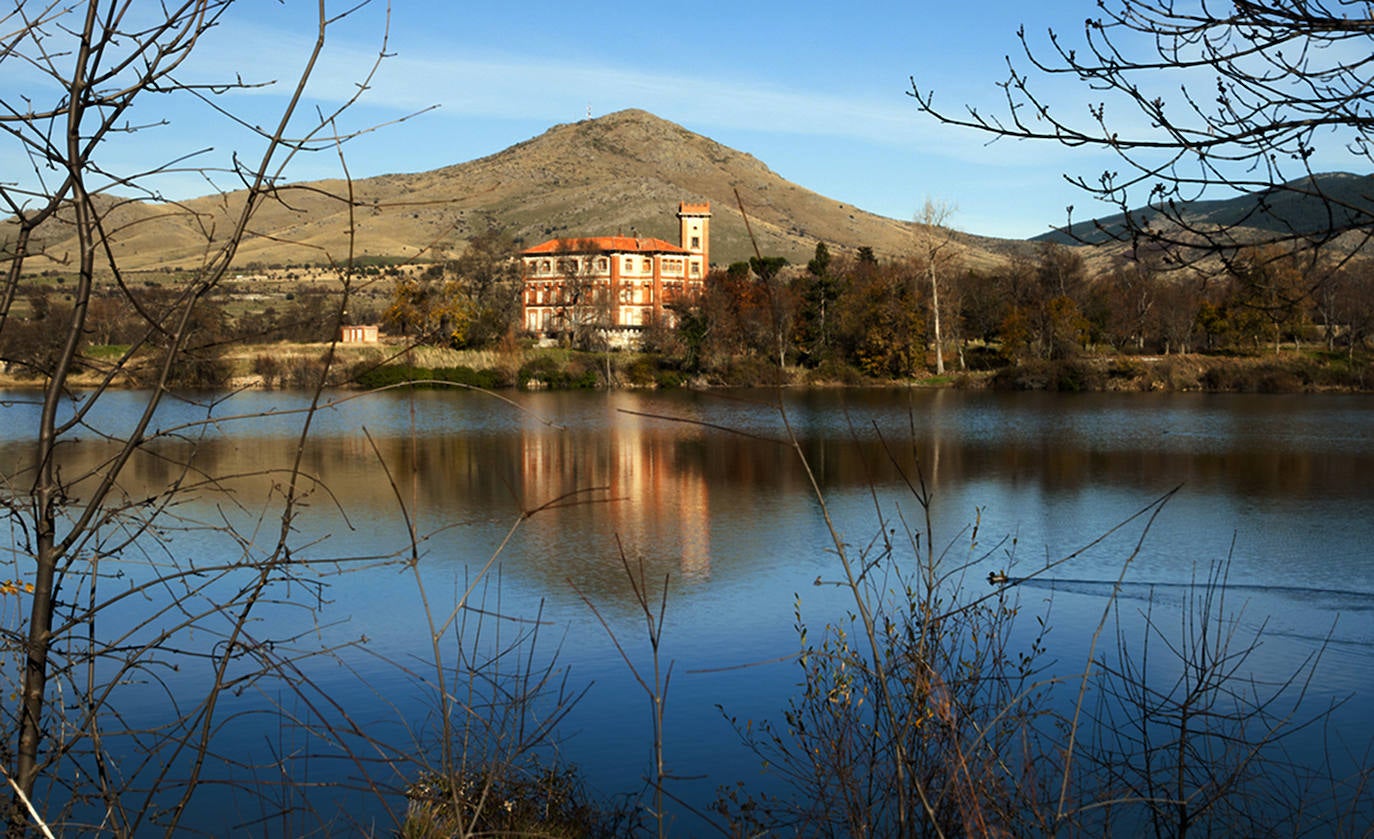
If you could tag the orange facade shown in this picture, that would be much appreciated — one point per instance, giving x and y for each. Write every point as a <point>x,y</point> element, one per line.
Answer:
<point>614,283</point>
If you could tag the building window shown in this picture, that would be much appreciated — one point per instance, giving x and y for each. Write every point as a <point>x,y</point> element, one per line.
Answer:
<point>603,264</point>
<point>696,269</point>
<point>629,264</point>
<point>648,265</point>
<point>696,242</point>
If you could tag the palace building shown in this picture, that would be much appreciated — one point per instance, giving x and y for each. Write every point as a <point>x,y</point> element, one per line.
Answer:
<point>615,285</point>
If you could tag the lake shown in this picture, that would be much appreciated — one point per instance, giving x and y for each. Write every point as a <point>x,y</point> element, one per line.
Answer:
<point>709,492</point>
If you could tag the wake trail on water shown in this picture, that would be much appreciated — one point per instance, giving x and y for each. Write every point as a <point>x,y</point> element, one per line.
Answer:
<point>1081,586</point>
<point>1297,610</point>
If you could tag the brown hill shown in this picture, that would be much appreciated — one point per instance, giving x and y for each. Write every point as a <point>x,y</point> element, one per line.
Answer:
<point>621,173</point>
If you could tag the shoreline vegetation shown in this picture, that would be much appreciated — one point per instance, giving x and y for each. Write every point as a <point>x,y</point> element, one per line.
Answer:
<point>299,365</point>
<point>1057,322</point>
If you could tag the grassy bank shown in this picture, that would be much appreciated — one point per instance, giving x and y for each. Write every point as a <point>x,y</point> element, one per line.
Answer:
<point>299,365</point>
<point>1290,372</point>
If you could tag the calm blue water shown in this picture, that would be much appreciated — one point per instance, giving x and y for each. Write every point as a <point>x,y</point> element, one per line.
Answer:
<point>708,492</point>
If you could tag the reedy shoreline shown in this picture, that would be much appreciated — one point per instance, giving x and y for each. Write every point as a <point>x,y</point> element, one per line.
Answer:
<point>1303,371</point>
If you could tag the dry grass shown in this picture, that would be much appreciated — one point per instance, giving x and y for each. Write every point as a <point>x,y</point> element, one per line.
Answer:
<point>435,357</point>
<point>632,169</point>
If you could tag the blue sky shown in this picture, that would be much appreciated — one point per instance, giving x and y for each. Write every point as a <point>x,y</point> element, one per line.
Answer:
<point>816,91</point>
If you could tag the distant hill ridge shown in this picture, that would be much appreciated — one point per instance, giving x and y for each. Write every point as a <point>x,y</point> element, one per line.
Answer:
<point>1304,206</point>
<point>620,174</point>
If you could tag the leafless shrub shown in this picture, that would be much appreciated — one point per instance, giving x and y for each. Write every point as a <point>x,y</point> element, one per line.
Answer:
<point>268,367</point>
<point>921,713</point>
<point>305,373</point>
<point>88,537</point>
<point>653,680</point>
<point>1195,742</point>
<point>932,710</point>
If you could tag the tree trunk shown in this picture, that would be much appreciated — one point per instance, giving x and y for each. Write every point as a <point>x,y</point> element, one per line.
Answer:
<point>935,306</point>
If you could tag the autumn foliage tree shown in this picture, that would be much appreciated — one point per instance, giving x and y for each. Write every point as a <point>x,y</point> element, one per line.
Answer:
<point>881,321</point>
<point>488,271</point>
<point>1271,287</point>
<point>427,310</point>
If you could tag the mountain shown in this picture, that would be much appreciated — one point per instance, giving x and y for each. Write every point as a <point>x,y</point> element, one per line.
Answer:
<point>1304,206</point>
<point>623,173</point>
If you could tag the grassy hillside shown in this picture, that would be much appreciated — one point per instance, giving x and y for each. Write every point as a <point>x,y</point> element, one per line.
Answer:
<point>622,173</point>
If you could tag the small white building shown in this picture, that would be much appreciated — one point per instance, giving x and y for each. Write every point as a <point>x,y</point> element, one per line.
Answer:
<point>360,334</point>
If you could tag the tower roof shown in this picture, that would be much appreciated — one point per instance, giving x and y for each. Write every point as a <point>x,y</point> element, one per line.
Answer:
<point>603,244</point>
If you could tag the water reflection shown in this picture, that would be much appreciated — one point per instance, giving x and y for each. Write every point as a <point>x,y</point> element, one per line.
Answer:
<point>1057,469</point>
<point>446,453</point>
<point>707,490</point>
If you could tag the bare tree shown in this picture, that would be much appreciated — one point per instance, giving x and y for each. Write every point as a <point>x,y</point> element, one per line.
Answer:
<point>781,305</point>
<point>489,271</point>
<point>1207,99</point>
<point>1345,305</point>
<point>81,77</point>
<point>1195,751</point>
<point>936,239</point>
<point>584,297</point>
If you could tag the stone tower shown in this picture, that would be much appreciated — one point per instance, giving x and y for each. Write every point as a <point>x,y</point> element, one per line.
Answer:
<point>694,229</point>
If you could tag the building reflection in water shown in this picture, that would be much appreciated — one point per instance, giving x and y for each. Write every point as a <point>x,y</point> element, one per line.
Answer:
<point>699,503</point>
<point>652,487</point>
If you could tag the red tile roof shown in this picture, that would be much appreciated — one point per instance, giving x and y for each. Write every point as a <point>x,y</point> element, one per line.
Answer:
<point>603,244</point>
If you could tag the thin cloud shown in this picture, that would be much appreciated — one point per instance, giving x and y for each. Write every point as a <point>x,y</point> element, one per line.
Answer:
<point>540,88</point>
